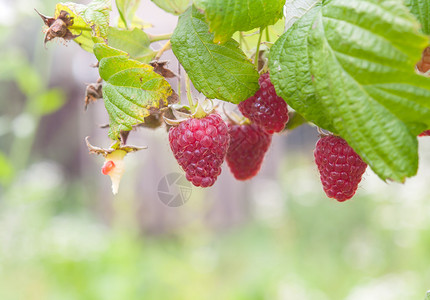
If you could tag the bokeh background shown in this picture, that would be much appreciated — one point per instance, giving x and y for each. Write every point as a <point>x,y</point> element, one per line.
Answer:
<point>63,235</point>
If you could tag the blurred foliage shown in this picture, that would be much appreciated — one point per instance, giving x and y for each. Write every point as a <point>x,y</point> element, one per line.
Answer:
<point>294,243</point>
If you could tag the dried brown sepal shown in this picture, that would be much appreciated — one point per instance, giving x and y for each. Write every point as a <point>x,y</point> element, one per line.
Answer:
<point>115,146</point>
<point>424,64</point>
<point>93,92</point>
<point>59,27</point>
<point>160,68</point>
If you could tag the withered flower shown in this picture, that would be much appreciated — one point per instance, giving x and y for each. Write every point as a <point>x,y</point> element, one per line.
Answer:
<point>59,27</point>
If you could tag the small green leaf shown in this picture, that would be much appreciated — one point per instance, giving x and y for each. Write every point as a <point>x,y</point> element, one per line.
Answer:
<point>363,87</point>
<point>127,9</point>
<point>48,102</point>
<point>225,17</point>
<point>131,91</point>
<point>135,42</point>
<point>89,21</point>
<point>175,7</point>
<point>421,10</point>
<point>218,71</point>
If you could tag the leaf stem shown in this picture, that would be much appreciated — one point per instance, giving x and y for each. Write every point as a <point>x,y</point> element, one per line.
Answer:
<point>189,96</point>
<point>161,37</point>
<point>160,52</point>
<point>80,28</point>
<point>267,34</point>
<point>257,52</point>
<point>179,82</point>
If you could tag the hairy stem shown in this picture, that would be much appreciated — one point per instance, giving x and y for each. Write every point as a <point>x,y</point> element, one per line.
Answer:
<point>160,52</point>
<point>161,37</point>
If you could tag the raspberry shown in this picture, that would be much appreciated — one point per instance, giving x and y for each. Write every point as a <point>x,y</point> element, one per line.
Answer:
<point>266,108</point>
<point>248,145</point>
<point>199,146</point>
<point>340,167</point>
<point>425,133</point>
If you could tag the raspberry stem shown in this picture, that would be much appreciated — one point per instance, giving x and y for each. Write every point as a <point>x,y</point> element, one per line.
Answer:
<point>258,48</point>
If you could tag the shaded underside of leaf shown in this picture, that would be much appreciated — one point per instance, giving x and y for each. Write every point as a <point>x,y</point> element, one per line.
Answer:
<point>218,71</point>
<point>127,9</point>
<point>175,7</point>
<point>131,91</point>
<point>228,16</point>
<point>360,56</point>
<point>295,9</point>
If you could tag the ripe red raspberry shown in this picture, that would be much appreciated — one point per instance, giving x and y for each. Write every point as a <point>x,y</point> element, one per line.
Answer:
<point>266,108</point>
<point>425,133</point>
<point>340,167</point>
<point>248,145</point>
<point>199,146</point>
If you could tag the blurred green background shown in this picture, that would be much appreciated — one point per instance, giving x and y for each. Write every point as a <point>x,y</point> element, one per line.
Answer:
<point>64,236</point>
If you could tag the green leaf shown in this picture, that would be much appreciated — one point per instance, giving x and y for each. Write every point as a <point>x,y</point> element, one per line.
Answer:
<point>421,10</point>
<point>48,102</point>
<point>127,9</point>
<point>90,21</point>
<point>135,42</point>
<point>354,74</point>
<point>175,7</point>
<point>225,17</point>
<point>295,9</point>
<point>131,91</point>
<point>218,71</point>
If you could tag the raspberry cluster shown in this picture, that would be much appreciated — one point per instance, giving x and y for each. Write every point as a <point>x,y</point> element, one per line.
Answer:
<point>200,146</point>
<point>340,167</point>
<point>266,108</point>
<point>248,145</point>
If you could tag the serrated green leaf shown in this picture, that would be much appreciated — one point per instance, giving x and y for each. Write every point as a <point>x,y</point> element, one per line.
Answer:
<point>290,71</point>
<point>131,89</point>
<point>218,71</point>
<point>175,7</point>
<point>360,58</point>
<point>127,9</point>
<point>135,42</point>
<point>421,10</point>
<point>90,21</point>
<point>225,17</point>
